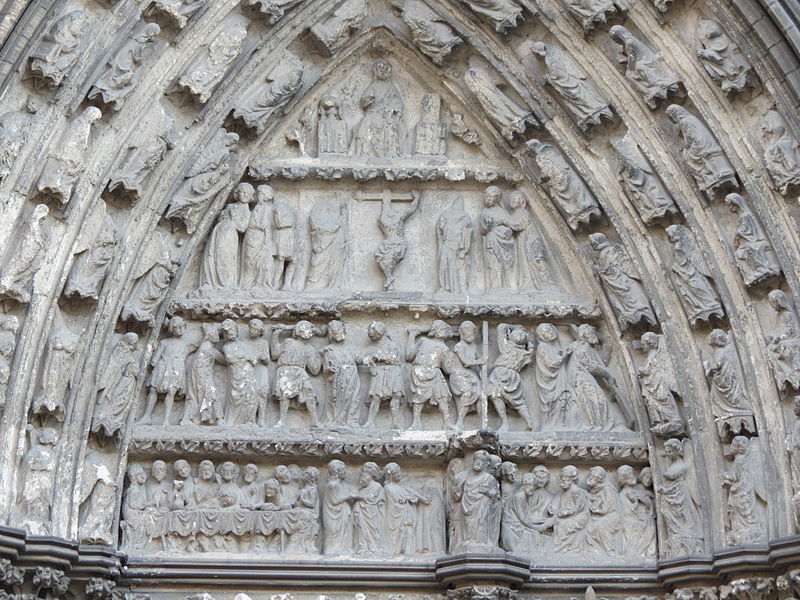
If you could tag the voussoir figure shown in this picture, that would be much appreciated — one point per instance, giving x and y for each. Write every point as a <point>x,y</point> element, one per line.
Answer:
<point>593,13</point>
<point>644,68</point>
<point>721,58</point>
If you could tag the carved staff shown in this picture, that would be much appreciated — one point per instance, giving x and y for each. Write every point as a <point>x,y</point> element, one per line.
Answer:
<point>483,405</point>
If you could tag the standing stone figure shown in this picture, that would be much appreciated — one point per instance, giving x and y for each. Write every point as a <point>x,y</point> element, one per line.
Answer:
<point>331,129</point>
<point>454,232</point>
<point>605,525</point>
<point>282,84</point>
<point>621,282</point>
<point>383,359</point>
<point>430,356</point>
<point>516,350</point>
<point>326,224</point>
<point>683,526</point>
<point>392,223</point>
<point>644,68</point>
<point>177,11</point>
<point>722,59</point>
<point>340,364</point>
<point>257,265</point>
<point>258,346</point>
<point>430,132</point>
<point>93,261</point>
<point>659,386</point>
<point>507,115</point>
<point>571,82</point>
<point>333,33</point>
<point>37,466</point>
<point>24,257</point>
<point>571,514</point>
<point>134,521</point>
<point>783,343</point>
<point>221,257</point>
<point>559,412</point>
<point>152,275</point>
<point>62,345</point>
<point>296,358</point>
<point>402,508</point>
<point>9,325</point>
<point>243,400</point>
<point>116,387</point>
<point>637,513</point>
<point>591,13</point>
<point>746,489</point>
<point>203,398</point>
<point>702,154</point>
<point>204,179</point>
<point>337,524</point>
<point>59,49</point>
<point>13,134</point>
<point>565,187</point>
<point>534,268</point>
<point>649,196</point>
<point>499,248</point>
<point>98,495</point>
<point>503,13</point>
<point>284,221</point>
<point>208,69</point>
<point>729,403</point>
<point>430,33</point>
<point>66,162</point>
<point>368,512</point>
<point>781,152</point>
<point>465,382</point>
<point>120,75</point>
<point>169,371</point>
<point>754,253</point>
<point>476,493</point>
<point>692,276</point>
<point>381,133</point>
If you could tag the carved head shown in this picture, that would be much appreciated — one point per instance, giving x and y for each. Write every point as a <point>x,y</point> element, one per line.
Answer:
<point>205,470</point>
<point>735,202</point>
<point>376,330</point>
<point>158,470</point>
<point>130,339</point>
<point>136,474</point>
<point>369,472</point>
<point>382,69</point>
<point>229,471</point>
<point>673,448</point>
<point>336,331</point>
<point>518,336</point>
<point>329,107</point>
<point>91,114</point>
<point>707,29</point>
<point>646,477</point>
<point>255,328</point>
<point>516,200</point>
<point>439,330</point>
<point>494,464</point>
<point>739,445</point>
<point>508,471</point>
<point>468,331</point>
<point>271,488</point>
<point>676,113</point>
<point>545,332</point>
<point>598,241</point>
<point>392,471</point>
<point>210,332</point>
<point>310,476</point>
<point>265,193</point>
<point>40,211</point>
<point>244,193</point>
<point>182,469</point>
<point>491,195</point>
<point>778,301</point>
<point>718,338</point>
<point>529,484</point>
<point>282,474</point>
<point>588,334</point>
<point>149,32</point>
<point>567,476</point>
<point>773,124</point>
<point>304,330</point>
<point>649,341</point>
<point>337,469</point>
<point>539,49</point>
<point>229,330</point>
<point>249,473</point>
<point>177,326</point>
<point>480,460</point>
<point>596,476</point>
<point>541,475</point>
<point>619,33</point>
<point>625,476</point>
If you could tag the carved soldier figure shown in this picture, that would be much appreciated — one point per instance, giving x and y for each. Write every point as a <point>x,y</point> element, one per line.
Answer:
<point>505,113</point>
<point>381,133</point>
<point>692,276</point>
<point>203,399</point>
<point>454,231</point>
<point>564,185</point>
<point>571,513</point>
<point>754,254</point>
<point>505,384</point>
<point>116,387</point>
<point>572,84</point>
<point>746,489</point>
<point>429,32</point>
<point>783,343</point>
<point>682,522</point>
<point>591,13</point>
<point>702,154</point>
<point>221,256</point>
<point>24,258</point>
<point>90,267</point>
<point>392,223</point>
<point>57,374</point>
<point>169,371</point>
<point>119,78</point>
<point>152,275</point>
<point>605,525</point>
<point>499,248</point>
<point>637,513</point>
<point>178,11</point>
<point>729,403</point>
<point>659,386</point>
<point>368,511</point>
<point>340,363</point>
<point>526,516</point>
<point>722,59</point>
<point>328,246</point>
<point>644,68</point>
<point>476,492</point>
<point>208,69</point>
<point>430,359</point>
<point>67,161</point>
<point>257,268</point>
<point>503,13</point>
<point>333,33</point>
<point>383,359</point>
<point>59,49</point>
<point>622,282</point>
<point>337,524</point>
<point>781,152</point>
<point>284,220</point>
<point>559,411</point>
<point>331,129</point>
<point>296,358</point>
<point>465,382</point>
<point>13,133</point>
<point>9,325</point>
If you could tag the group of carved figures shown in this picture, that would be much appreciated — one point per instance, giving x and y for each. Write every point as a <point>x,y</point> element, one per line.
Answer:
<point>575,388</point>
<point>482,508</point>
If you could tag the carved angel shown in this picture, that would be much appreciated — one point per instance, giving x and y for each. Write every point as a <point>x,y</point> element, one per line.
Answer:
<point>746,523</point>
<point>153,274</point>
<point>430,33</point>
<point>781,152</point>
<point>722,59</point>
<point>754,254</point>
<point>23,258</point>
<point>659,386</point>
<point>648,195</point>
<point>510,117</point>
<point>59,49</point>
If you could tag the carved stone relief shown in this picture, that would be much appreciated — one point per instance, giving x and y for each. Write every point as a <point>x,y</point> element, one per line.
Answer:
<point>23,260</point>
<point>59,50</point>
<point>722,59</point>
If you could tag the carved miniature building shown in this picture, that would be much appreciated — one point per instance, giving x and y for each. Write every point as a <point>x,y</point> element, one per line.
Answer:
<point>399,299</point>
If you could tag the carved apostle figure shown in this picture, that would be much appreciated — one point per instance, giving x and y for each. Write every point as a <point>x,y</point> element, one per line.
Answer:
<point>326,224</point>
<point>692,277</point>
<point>383,359</point>
<point>62,345</point>
<point>430,33</point>
<point>169,371</point>
<point>648,195</point>
<point>746,490</point>
<point>754,254</point>
<point>526,516</point>
<point>499,244</point>
<point>722,59</point>
<point>332,33</point>
<point>93,260</point>
<point>659,386</point>
<point>564,75</point>
<point>647,70</point>
<point>9,325</point>
<point>637,513</point>
<point>97,502</point>
<point>203,180</point>
<point>702,154</point>
<point>476,492</point>
<point>503,13</point>
<point>381,133</point>
<point>368,512</point>
<point>783,342</point>
<point>516,348</point>
<point>296,358</point>
<point>729,403</point>
<point>13,134</point>
<point>430,357</point>
<point>571,513</point>
<point>66,162</point>
<point>534,267</point>
<point>465,383</point>
<point>559,411</point>
<point>454,233</point>
<point>605,525</point>
<point>566,188</point>
<point>120,75</point>
<point>257,263</point>
<point>272,10</point>
<point>221,256</point>
<point>591,13</point>
<point>177,11</point>
<point>23,258</point>
<point>682,522</point>
<point>243,397</point>
<point>203,397</point>
<point>402,502</point>
<point>781,152</point>
<point>621,282</point>
<point>511,118</point>
<point>340,364</point>
<point>135,520</point>
<point>152,274</point>
<point>35,494</point>
<point>116,387</point>
<point>208,69</point>
<point>273,96</point>
<point>284,249</point>
<point>337,523</point>
<point>59,49</point>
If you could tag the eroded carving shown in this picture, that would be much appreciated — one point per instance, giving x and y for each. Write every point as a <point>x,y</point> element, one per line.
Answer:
<point>169,371</point>
<point>683,526</point>
<point>516,349</point>
<point>57,374</point>
<point>783,342</point>
<point>116,387</point>
<point>59,49</point>
<point>13,128</point>
<point>152,275</point>
<point>647,70</point>
<point>746,491</point>
<point>23,259</point>
<point>271,10</point>
<point>754,254</point>
<point>177,12</point>
<point>326,224</point>
<point>511,118</point>
<point>9,325</point>
<point>594,13</point>
<point>98,496</point>
<point>333,33</point>
<point>429,32</point>
<point>428,356</point>
<point>659,386</point>
<point>475,498</point>
<point>505,14</point>
<point>95,250</point>
<point>781,152</point>
<point>722,59</point>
